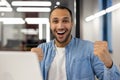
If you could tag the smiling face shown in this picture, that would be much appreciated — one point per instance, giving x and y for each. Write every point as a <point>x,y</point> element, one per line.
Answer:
<point>61,26</point>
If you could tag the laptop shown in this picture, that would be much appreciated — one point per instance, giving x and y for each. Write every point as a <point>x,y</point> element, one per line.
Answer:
<point>15,65</point>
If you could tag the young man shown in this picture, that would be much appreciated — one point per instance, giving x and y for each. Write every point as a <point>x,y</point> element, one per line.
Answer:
<point>70,58</point>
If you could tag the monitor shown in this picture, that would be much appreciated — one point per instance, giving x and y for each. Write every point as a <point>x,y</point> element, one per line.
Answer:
<point>19,65</point>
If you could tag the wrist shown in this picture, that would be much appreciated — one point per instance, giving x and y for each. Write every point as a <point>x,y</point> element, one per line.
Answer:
<point>110,66</point>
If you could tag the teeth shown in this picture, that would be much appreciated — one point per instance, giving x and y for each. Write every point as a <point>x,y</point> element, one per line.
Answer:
<point>60,32</point>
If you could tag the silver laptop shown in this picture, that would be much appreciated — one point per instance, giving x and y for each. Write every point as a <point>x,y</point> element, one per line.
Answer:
<point>16,65</point>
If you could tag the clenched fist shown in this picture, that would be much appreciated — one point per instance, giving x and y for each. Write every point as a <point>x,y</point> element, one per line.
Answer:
<point>39,53</point>
<point>101,50</point>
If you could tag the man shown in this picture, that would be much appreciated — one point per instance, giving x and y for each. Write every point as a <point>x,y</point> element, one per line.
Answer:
<point>69,58</point>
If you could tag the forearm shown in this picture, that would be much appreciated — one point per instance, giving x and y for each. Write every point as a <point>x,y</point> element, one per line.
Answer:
<point>111,74</point>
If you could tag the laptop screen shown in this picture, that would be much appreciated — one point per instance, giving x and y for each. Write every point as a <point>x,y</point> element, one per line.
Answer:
<point>16,65</point>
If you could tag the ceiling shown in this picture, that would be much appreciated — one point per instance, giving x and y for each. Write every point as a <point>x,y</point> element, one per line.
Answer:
<point>62,2</point>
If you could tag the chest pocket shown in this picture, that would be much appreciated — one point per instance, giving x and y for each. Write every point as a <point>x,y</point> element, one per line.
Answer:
<point>81,69</point>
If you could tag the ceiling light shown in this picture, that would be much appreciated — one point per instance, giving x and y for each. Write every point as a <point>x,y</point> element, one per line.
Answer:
<point>110,9</point>
<point>100,13</point>
<point>6,9</point>
<point>37,20</point>
<point>95,15</point>
<point>57,3</point>
<point>5,6</point>
<point>31,3</point>
<point>32,9</point>
<point>4,3</point>
<point>12,20</point>
<point>89,18</point>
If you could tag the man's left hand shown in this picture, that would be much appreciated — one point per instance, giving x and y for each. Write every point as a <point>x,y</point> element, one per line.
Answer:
<point>101,50</point>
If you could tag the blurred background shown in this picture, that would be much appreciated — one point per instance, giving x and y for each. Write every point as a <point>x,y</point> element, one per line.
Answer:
<point>25,23</point>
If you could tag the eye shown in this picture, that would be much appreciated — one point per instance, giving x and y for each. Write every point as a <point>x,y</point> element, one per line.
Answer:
<point>55,21</point>
<point>65,21</point>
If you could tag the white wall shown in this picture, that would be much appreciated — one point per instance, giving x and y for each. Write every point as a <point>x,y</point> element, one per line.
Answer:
<point>0,30</point>
<point>91,30</point>
<point>116,34</point>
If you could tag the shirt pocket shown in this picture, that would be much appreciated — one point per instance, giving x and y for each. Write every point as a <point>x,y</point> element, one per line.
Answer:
<point>81,69</point>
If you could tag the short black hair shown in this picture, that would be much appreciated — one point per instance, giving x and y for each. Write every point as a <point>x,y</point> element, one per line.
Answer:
<point>61,7</point>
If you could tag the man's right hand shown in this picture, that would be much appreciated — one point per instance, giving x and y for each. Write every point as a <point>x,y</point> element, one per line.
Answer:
<point>39,53</point>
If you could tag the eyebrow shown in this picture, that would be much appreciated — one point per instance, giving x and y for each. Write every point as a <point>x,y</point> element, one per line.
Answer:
<point>63,18</point>
<point>66,18</point>
<point>55,18</point>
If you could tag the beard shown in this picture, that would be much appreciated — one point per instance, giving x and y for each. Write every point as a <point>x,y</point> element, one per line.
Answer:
<point>61,42</point>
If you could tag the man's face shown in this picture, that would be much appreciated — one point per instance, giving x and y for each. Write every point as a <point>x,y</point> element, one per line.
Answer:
<point>61,24</point>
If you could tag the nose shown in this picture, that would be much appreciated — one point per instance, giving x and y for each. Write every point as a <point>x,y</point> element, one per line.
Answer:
<point>60,25</point>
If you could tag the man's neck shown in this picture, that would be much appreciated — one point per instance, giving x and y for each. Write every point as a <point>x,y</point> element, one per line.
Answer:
<point>62,44</point>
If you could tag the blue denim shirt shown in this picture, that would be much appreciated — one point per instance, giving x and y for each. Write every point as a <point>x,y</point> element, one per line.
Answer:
<point>81,63</point>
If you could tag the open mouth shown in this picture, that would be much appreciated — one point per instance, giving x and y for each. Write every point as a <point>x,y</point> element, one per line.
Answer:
<point>61,32</point>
